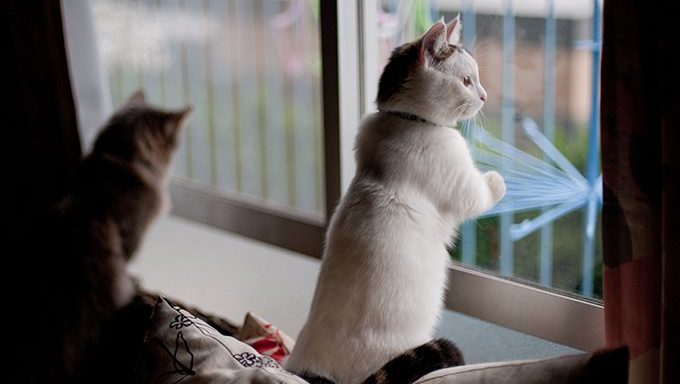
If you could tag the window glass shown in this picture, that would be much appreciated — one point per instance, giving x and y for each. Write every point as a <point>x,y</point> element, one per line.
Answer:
<point>251,70</point>
<point>538,61</point>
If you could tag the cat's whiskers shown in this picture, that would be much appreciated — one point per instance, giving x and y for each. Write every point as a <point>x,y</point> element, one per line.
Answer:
<point>464,109</point>
<point>461,109</point>
<point>479,118</point>
<point>481,52</point>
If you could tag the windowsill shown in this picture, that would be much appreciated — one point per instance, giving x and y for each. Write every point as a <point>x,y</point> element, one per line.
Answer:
<point>226,274</point>
<point>229,275</point>
<point>483,342</point>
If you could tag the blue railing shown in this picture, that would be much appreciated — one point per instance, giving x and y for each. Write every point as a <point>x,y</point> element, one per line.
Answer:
<point>544,187</point>
<point>557,191</point>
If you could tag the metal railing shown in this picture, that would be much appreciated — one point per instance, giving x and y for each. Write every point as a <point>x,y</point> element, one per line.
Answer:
<point>251,70</point>
<point>544,187</point>
<point>584,193</point>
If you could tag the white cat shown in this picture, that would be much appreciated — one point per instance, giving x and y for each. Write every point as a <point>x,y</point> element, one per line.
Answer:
<point>385,265</point>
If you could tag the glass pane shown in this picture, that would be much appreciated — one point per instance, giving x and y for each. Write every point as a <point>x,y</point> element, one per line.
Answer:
<point>251,70</point>
<point>539,128</point>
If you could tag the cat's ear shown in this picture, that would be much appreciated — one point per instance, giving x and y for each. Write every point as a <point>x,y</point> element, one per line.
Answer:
<point>179,117</point>
<point>432,42</point>
<point>175,121</point>
<point>137,99</point>
<point>453,29</point>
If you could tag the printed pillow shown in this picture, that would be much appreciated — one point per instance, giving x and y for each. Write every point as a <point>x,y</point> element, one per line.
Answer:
<point>181,347</point>
<point>266,338</point>
<point>606,366</point>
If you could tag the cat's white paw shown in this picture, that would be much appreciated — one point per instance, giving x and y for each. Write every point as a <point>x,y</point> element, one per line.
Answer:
<point>496,184</point>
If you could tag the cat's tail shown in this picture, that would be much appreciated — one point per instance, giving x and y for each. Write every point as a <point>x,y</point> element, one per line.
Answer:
<point>410,365</point>
<point>418,362</point>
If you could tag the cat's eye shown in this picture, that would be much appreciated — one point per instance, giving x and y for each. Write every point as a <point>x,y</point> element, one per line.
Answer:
<point>467,81</point>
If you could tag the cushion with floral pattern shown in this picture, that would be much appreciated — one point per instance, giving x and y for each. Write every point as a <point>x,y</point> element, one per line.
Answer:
<point>180,347</point>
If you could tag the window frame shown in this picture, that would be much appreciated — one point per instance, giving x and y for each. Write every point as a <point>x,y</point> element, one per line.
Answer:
<point>348,91</point>
<point>271,223</point>
<point>549,314</point>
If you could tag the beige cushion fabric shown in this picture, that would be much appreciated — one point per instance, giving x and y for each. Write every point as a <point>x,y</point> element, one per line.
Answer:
<point>606,366</point>
<point>181,347</point>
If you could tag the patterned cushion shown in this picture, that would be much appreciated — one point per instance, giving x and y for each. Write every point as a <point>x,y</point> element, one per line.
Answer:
<point>181,347</point>
<point>606,366</point>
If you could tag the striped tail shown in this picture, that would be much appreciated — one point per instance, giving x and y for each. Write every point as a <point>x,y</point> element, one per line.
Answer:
<point>416,363</point>
<point>410,365</point>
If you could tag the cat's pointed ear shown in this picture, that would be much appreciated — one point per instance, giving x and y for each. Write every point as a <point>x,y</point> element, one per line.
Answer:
<point>432,42</point>
<point>453,30</point>
<point>137,99</point>
<point>180,116</point>
<point>175,121</point>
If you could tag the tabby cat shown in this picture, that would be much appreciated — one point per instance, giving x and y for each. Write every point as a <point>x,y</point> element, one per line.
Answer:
<point>74,256</point>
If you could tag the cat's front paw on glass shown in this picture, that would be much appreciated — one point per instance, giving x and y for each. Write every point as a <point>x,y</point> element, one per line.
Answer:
<point>496,184</point>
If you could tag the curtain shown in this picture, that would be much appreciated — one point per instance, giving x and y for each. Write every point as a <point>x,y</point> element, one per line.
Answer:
<point>641,168</point>
<point>42,149</point>
<point>41,139</point>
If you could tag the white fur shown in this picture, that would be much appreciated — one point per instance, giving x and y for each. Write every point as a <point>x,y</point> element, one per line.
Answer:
<point>384,269</point>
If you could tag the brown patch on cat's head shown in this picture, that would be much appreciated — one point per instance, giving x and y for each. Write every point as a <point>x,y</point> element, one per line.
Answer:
<point>399,70</point>
<point>138,132</point>
<point>429,50</point>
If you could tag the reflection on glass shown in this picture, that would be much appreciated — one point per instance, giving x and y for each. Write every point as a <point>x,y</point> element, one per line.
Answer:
<point>251,70</point>
<point>539,64</point>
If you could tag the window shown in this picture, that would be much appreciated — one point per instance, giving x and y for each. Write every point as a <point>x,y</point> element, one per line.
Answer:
<point>539,62</point>
<point>536,128</point>
<point>254,147</point>
<point>279,88</point>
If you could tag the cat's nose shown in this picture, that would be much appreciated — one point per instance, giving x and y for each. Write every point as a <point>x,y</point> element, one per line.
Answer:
<point>483,96</point>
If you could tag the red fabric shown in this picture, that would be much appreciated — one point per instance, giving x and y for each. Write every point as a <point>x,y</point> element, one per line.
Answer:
<point>637,287</point>
<point>266,338</point>
<point>271,344</point>
<point>272,347</point>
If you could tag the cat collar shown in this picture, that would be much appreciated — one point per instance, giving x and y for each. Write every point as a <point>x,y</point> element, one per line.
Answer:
<point>416,118</point>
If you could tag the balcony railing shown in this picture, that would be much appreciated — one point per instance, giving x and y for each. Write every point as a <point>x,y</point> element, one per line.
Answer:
<point>251,70</point>
<point>530,54</point>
